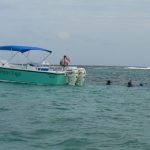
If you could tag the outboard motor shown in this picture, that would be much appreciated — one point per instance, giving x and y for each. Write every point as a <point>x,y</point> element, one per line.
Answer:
<point>75,76</point>
<point>72,75</point>
<point>81,76</point>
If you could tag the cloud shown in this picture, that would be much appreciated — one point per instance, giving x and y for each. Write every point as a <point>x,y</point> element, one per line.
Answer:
<point>64,35</point>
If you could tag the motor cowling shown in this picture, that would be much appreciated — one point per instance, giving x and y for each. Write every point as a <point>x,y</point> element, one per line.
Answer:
<point>75,76</point>
<point>81,76</point>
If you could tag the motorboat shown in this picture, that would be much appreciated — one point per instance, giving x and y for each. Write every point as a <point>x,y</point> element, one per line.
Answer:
<point>38,73</point>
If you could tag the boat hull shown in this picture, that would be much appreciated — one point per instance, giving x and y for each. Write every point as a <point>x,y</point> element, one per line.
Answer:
<point>32,77</point>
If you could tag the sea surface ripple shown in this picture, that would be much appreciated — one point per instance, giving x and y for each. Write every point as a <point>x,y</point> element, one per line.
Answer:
<point>93,117</point>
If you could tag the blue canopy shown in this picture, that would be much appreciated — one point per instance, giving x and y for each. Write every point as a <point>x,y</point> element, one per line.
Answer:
<point>22,49</point>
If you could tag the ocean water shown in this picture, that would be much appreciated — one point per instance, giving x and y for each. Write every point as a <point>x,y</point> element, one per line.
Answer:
<point>93,117</point>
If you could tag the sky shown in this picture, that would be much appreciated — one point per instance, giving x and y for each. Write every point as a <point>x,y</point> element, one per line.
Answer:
<point>89,32</point>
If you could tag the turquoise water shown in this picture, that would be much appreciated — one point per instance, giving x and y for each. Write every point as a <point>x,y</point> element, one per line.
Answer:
<point>93,117</point>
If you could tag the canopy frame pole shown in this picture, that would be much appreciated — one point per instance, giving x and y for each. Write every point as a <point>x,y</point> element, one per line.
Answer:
<point>12,57</point>
<point>45,58</point>
<point>27,57</point>
<point>27,53</point>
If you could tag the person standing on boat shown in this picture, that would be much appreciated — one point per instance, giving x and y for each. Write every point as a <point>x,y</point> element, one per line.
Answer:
<point>64,62</point>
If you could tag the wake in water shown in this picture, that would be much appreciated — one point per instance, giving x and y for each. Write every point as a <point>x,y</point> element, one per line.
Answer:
<point>144,68</point>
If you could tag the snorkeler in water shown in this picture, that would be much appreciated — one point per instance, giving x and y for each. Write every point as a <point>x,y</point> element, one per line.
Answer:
<point>130,84</point>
